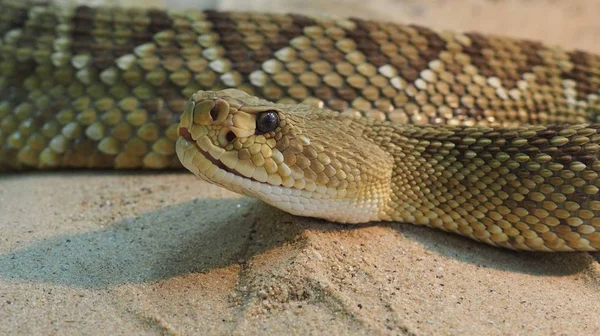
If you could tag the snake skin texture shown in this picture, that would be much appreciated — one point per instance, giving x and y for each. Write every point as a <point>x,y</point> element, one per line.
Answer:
<point>485,136</point>
<point>505,186</point>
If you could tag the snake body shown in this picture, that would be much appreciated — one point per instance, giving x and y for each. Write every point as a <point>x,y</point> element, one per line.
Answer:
<point>486,136</point>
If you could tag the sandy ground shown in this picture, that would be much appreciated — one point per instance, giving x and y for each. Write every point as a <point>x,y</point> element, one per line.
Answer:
<point>142,253</point>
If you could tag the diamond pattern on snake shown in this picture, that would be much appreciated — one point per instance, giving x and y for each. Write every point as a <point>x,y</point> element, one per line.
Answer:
<point>344,119</point>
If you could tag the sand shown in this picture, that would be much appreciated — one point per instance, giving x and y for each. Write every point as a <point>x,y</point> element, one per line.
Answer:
<point>165,253</point>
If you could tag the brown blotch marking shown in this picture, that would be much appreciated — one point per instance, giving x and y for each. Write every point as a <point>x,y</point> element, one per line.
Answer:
<point>104,53</point>
<point>347,93</point>
<point>361,36</point>
<point>243,58</point>
<point>300,22</point>
<point>324,92</point>
<point>14,17</point>
<point>103,61</point>
<point>409,74</point>
<point>167,107</point>
<point>478,43</point>
<point>261,55</point>
<point>160,110</point>
<point>398,62</point>
<point>507,76</point>
<point>435,45</point>
<point>408,69</point>
<point>530,49</point>
<point>583,73</point>
<point>33,30</point>
<point>83,23</point>
<point>372,50</point>
<point>159,20</point>
<point>289,32</point>
<point>333,56</point>
<point>237,55</point>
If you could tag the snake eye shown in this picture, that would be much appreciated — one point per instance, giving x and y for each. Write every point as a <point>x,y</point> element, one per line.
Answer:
<point>267,122</point>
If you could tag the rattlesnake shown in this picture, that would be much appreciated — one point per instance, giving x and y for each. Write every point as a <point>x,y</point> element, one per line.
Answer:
<point>489,137</point>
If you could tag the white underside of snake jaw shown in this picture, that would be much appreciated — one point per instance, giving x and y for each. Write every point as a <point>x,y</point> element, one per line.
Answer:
<point>294,201</point>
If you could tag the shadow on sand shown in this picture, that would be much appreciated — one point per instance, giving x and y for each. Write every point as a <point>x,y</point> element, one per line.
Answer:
<point>162,244</point>
<point>460,248</point>
<point>181,239</point>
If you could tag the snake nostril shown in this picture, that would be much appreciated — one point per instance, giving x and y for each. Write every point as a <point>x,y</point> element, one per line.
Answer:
<point>214,113</point>
<point>230,136</point>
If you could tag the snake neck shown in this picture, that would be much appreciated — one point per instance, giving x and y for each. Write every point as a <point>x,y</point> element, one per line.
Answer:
<point>529,188</point>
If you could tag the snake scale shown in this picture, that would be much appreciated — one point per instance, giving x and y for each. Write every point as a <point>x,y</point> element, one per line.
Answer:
<point>489,137</point>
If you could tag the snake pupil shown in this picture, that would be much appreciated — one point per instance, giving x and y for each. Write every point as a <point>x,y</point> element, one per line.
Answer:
<point>267,122</point>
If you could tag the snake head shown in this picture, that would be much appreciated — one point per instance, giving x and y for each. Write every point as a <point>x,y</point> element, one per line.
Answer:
<point>301,159</point>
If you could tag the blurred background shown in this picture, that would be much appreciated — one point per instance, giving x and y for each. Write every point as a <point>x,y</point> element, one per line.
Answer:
<point>569,23</point>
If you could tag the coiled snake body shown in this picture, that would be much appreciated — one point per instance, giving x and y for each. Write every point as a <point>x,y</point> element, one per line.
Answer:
<point>489,137</point>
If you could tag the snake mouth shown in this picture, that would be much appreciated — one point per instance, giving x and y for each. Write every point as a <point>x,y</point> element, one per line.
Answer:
<point>185,134</point>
